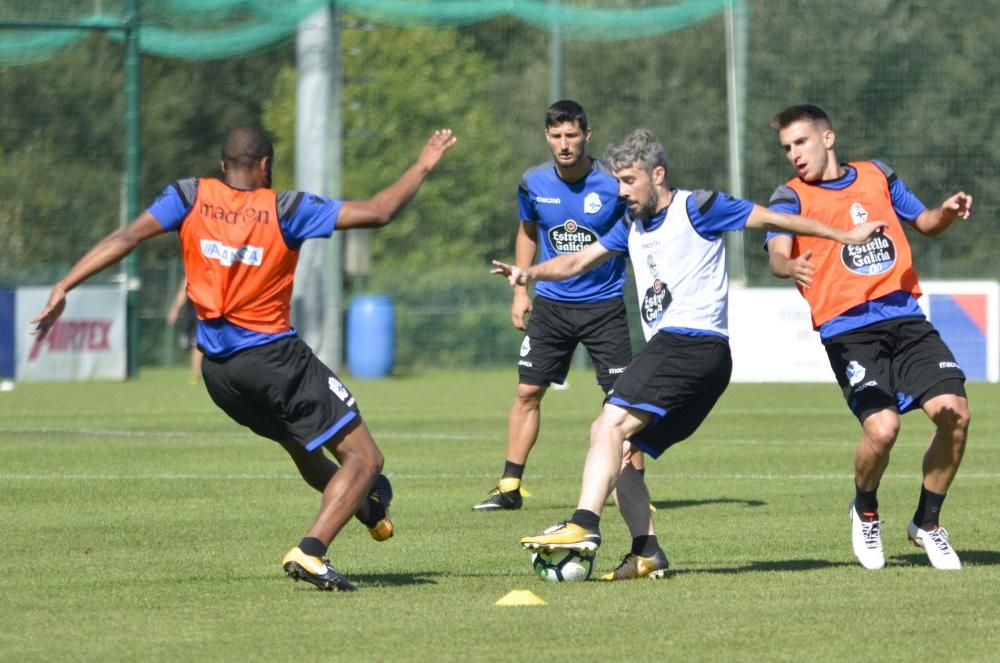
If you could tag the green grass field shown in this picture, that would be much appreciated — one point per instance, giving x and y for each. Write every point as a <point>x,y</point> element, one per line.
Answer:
<point>139,523</point>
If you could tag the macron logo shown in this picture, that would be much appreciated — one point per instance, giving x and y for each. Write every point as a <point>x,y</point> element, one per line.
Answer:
<point>548,200</point>
<point>227,255</point>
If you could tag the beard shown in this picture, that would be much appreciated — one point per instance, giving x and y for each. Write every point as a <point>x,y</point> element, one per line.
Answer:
<point>647,209</point>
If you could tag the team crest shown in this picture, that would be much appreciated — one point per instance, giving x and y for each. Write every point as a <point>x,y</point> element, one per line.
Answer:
<point>855,373</point>
<point>337,387</point>
<point>525,346</point>
<point>858,214</point>
<point>655,302</point>
<point>654,271</point>
<point>592,203</point>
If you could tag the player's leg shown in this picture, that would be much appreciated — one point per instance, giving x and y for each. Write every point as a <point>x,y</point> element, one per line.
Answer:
<point>545,356</point>
<point>603,331</point>
<point>601,470</point>
<point>860,360</point>
<point>927,367</point>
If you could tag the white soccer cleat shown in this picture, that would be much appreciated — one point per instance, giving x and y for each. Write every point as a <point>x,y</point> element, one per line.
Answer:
<point>866,537</point>
<point>935,544</point>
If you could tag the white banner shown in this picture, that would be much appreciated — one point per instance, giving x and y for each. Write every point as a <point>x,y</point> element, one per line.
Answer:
<point>87,342</point>
<point>772,339</point>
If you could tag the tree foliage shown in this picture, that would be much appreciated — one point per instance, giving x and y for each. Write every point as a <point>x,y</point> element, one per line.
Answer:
<point>400,85</point>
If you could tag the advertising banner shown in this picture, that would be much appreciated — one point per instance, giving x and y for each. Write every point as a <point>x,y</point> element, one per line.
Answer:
<point>86,343</point>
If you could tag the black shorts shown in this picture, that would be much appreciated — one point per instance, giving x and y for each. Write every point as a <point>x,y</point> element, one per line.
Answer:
<point>283,392</point>
<point>899,363</point>
<point>678,379</point>
<point>555,328</point>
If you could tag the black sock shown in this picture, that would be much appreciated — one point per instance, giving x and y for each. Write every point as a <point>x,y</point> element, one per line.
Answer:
<point>928,509</point>
<point>865,501</point>
<point>586,519</point>
<point>512,470</point>
<point>642,472</point>
<point>310,545</point>
<point>376,512</point>
<point>645,546</point>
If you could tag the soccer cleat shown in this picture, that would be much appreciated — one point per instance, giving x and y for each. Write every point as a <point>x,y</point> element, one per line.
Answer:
<point>866,537</point>
<point>500,499</point>
<point>315,570</point>
<point>935,543</point>
<point>634,566</point>
<point>381,493</point>
<point>564,536</point>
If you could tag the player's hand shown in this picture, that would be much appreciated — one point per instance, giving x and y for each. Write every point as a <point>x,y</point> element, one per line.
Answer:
<point>801,270</point>
<point>958,206</point>
<point>515,275</point>
<point>43,321</point>
<point>861,233</point>
<point>439,143</point>
<point>521,307</point>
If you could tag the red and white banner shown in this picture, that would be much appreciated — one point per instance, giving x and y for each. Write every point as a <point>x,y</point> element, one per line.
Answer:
<point>86,343</point>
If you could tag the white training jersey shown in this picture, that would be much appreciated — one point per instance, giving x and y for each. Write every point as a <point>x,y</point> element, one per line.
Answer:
<point>679,262</point>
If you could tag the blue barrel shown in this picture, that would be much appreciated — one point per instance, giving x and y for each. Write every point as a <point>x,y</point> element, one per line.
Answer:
<point>371,336</point>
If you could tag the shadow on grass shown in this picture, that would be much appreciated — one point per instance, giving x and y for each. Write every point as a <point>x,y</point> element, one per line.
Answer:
<point>968,557</point>
<point>683,504</point>
<point>395,579</point>
<point>779,565</point>
<point>677,504</point>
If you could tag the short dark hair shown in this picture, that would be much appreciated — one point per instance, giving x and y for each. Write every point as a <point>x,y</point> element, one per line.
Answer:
<point>244,147</point>
<point>798,113</point>
<point>566,110</point>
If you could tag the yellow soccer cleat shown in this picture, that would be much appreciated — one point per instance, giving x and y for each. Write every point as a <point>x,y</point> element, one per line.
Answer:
<point>315,570</point>
<point>633,566</point>
<point>564,536</point>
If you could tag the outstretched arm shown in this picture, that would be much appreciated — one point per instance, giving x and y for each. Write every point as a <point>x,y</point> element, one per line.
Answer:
<point>933,222</point>
<point>559,268</point>
<point>765,219</point>
<point>106,252</point>
<point>383,207</point>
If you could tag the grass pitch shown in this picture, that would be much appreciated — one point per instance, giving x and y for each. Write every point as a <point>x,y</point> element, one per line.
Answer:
<point>139,523</point>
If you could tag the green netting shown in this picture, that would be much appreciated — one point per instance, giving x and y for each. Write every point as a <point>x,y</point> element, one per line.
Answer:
<point>215,29</point>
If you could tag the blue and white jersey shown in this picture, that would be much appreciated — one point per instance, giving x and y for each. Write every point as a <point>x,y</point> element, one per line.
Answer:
<point>679,262</point>
<point>571,216</point>
<point>301,216</point>
<point>907,206</point>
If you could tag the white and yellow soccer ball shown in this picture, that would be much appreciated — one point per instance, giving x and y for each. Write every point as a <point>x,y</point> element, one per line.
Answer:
<point>562,565</point>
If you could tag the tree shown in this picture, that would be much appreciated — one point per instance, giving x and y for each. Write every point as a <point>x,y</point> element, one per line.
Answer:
<point>400,85</point>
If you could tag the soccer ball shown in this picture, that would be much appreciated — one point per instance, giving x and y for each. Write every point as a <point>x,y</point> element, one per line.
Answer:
<point>562,565</point>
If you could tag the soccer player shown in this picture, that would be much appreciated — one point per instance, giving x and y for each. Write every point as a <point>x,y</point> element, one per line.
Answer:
<point>565,204</point>
<point>674,240</point>
<point>240,242</point>
<point>887,357</point>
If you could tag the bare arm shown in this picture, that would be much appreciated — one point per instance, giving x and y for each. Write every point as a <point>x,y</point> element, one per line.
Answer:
<point>779,253</point>
<point>383,207</point>
<point>106,252</point>
<point>559,268</point>
<point>525,248</point>
<point>933,222</point>
<point>765,219</point>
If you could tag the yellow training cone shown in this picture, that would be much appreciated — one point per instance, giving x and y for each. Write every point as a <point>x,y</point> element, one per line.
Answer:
<point>520,597</point>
